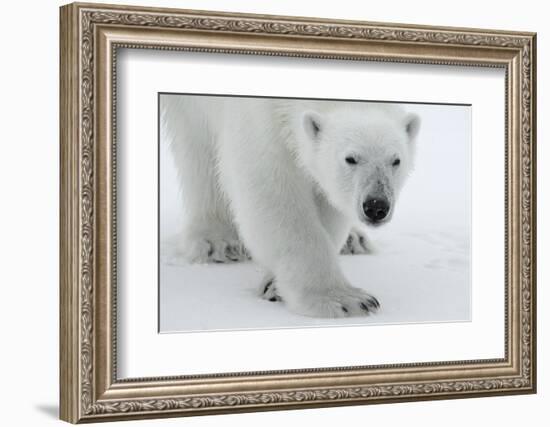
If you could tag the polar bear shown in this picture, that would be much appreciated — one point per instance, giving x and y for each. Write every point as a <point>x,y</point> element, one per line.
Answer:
<point>285,181</point>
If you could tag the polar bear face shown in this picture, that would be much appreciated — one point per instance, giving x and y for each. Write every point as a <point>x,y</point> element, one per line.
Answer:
<point>360,157</point>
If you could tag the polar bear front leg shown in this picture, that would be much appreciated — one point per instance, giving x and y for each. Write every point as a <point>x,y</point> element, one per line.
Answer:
<point>321,290</point>
<point>314,296</point>
<point>285,235</point>
<point>207,233</point>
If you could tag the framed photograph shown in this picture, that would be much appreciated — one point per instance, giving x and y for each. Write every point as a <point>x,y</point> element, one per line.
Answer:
<point>267,212</point>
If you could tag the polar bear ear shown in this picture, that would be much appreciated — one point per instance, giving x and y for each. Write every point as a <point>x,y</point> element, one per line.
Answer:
<point>412,125</point>
<point>312,122</point>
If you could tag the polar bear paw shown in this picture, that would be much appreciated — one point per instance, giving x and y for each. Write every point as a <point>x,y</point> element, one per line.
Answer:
<point>268,290</point>
<point>356,244</point>
<point>339,302</point>
<point>204,249</point>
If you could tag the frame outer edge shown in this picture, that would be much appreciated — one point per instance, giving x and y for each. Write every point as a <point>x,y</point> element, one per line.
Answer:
<point>534,270</point>
<point>305,19</point>
<point>69,354</point>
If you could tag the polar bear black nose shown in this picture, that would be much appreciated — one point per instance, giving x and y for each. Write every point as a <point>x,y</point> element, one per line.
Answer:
<point>376,209</point>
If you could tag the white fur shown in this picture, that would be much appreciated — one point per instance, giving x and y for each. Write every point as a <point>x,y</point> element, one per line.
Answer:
<point>271,176</point>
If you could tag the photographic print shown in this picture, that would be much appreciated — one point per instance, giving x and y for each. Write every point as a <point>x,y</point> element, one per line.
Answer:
<point>346,209</point>
<point>284,212</point>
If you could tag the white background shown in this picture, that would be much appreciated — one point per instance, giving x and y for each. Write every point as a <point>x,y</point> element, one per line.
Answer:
<point>144,353</point>
<point>29,225</point>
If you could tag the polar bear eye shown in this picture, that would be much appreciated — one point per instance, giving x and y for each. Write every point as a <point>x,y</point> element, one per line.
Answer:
<point>396,162</point>
<point>350,160</point>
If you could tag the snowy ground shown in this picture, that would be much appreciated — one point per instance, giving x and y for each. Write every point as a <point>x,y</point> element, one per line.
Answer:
<point>422,279</point>
<point>420,271</point>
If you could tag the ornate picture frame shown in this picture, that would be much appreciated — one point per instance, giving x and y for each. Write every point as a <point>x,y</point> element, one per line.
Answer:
<point>90,37</point>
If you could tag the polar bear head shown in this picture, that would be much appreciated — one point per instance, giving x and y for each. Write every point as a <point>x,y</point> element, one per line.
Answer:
<point>359,155</point>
